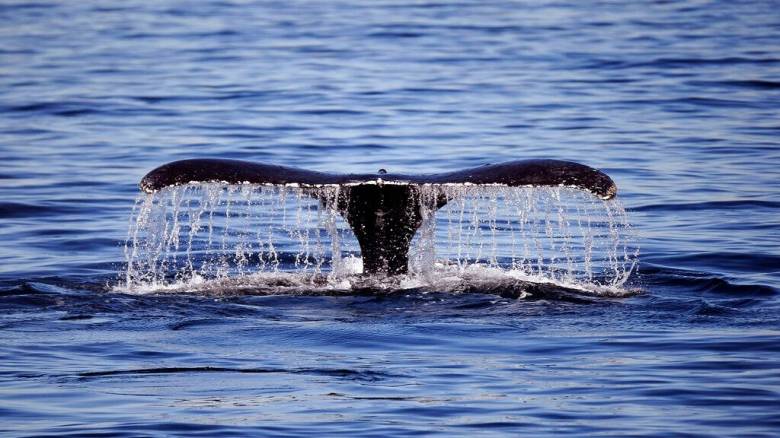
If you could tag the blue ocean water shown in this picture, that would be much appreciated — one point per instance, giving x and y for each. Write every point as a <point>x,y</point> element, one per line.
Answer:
<point>677,101</point>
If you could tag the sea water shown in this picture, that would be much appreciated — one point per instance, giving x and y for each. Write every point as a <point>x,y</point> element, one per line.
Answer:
<point>676,101</point>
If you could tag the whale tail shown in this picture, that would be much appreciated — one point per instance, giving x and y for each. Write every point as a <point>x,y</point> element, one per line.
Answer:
<point>383,210</point>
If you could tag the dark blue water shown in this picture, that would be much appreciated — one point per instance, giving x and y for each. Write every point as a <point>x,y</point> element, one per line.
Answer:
<point>677,101</point>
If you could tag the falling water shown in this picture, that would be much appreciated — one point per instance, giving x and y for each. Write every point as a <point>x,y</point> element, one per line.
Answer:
<point>272,238</point>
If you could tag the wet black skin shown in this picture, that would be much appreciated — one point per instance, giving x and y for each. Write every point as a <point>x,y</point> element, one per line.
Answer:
<point>382,209</point>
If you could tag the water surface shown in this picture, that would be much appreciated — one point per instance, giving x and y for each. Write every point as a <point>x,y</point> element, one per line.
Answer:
<point>677,101</point>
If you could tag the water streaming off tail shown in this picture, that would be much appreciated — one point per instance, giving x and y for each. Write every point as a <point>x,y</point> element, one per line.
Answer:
<point>234,234</point>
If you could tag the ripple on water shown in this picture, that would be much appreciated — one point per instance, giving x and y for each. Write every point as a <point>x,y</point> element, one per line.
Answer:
<point>677,101</point>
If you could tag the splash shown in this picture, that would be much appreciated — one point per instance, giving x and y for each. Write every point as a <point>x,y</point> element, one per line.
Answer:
<point>289,239</point>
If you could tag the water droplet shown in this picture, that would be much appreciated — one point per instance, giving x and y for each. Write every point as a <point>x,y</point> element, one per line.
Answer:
<point>191,234</point>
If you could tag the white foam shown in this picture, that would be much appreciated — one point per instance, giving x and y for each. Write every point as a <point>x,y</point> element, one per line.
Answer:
<point>445,278</point>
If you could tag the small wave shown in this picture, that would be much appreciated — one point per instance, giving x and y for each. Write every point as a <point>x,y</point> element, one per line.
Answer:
<point>710,205</point>
<point>692,281</point>
<point>670,63</point>
<point>24,209</point>
<point>66,109</point>
<point>181,325</point>
<point>358,375</point>
<point>705,308</point>
<point>34,288</point>
<point>731,261</point>
<point>750,84</point>
<point>685,104</point>
<point>397,34</point>
<point>329,111</point>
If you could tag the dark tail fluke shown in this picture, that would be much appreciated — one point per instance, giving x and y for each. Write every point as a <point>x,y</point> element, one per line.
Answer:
<point>382,209</point>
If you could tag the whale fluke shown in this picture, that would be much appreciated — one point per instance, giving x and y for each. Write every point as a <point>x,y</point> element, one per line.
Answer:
<point>382,209</point>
